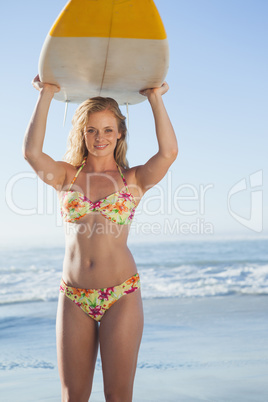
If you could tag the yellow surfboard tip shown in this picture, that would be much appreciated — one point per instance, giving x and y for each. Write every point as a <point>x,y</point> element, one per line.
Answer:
<point>131,19</point>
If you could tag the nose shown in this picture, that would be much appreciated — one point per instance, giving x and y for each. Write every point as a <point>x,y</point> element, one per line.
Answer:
<point>98,136</point>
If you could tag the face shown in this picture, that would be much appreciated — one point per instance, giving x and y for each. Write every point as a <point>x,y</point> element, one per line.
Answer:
<point>101,133</point>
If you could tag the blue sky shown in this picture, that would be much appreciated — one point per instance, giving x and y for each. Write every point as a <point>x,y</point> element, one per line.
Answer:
<point>217,103</point>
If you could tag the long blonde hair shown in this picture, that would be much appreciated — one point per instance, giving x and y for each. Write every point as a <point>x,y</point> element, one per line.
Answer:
<point>76,146</point>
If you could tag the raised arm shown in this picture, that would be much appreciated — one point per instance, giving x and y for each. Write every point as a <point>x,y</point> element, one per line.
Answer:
<point>50,171</point>
<point>154,170</point>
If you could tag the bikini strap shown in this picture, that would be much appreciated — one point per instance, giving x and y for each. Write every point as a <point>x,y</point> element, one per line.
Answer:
<point>77,173</point>
<point>124,180</point>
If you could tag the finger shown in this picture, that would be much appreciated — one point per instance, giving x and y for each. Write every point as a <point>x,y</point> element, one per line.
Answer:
<point>36,78</point>
<point>165,87</point>
<point>143,92</point>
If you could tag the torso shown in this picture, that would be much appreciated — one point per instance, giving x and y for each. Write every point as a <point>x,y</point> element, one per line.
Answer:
<point>96,253</point>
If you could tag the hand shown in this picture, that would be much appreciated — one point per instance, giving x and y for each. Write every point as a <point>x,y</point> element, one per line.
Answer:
<point>37,84</point>
<point>155,91</point>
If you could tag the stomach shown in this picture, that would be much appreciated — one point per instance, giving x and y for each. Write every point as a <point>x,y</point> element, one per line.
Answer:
<point>96,254</point>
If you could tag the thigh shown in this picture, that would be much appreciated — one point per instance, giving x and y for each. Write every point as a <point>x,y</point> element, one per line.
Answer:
<point>120,336</point>
<point>77,346</point>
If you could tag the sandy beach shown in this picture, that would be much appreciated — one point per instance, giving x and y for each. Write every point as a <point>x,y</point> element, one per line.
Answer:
<point>195,349</point>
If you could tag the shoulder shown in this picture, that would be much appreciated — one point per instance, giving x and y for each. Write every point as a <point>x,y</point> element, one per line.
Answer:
<point>130,174</point>
<point>69,170</point>
<point>132,183</point>
<point>66,165</point>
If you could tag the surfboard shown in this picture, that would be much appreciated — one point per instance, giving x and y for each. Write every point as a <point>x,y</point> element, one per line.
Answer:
<point>110,48</point>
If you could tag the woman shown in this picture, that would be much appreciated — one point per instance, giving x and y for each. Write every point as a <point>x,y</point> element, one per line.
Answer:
<point>99,300</point>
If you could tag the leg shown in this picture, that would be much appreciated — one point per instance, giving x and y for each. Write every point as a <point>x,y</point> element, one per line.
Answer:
<point>77,346</point>
<point>120,336</point>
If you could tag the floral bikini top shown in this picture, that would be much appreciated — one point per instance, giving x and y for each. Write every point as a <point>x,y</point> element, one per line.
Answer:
<point>118,207</point>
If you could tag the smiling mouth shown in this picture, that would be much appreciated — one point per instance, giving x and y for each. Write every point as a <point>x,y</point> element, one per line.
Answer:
<point>100,146</point>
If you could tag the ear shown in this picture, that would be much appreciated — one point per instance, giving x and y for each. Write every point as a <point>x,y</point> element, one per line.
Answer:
<point>119,135</point>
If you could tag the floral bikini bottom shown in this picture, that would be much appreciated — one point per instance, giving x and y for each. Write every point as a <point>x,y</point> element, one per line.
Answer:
<point>95,302</point>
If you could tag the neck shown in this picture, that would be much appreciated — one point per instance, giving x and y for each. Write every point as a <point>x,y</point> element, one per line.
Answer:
<point>100,164</point>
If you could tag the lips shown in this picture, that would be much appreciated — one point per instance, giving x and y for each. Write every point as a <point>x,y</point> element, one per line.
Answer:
<point>101,146</point>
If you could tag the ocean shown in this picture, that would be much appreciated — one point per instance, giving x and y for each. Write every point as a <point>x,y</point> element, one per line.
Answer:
<point>205,333</point>
<point>167,270</point>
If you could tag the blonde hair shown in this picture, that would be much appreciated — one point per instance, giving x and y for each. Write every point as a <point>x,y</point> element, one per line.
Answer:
<point>76,146</point>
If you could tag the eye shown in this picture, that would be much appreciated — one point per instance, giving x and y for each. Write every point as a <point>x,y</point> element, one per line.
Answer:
<point>108,130</point>
<point>90,131</point>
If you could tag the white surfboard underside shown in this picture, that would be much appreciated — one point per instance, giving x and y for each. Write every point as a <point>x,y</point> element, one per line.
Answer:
<point>119,68</point>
